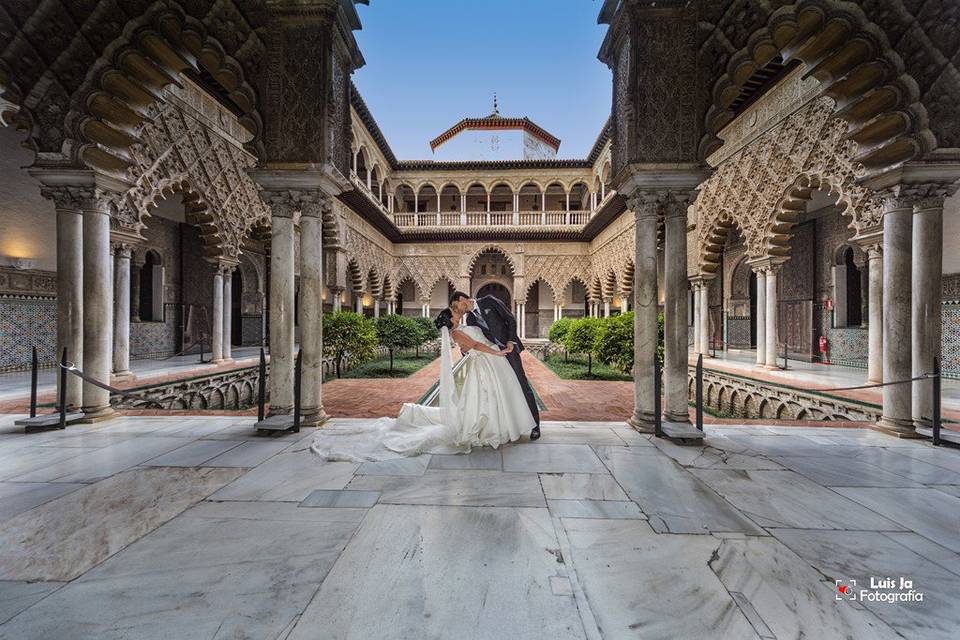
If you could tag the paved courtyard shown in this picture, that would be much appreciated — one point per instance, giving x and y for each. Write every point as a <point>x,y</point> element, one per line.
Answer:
<point>193,527</point>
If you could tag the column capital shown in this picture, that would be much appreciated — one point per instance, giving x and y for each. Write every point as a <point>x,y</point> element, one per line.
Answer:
<point>645,203</point>
<point>766,264</point>
<point>67,199</point>
<point>121,249</point>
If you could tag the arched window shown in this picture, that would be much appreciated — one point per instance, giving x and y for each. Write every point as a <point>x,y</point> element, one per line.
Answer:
<point>151,288</point>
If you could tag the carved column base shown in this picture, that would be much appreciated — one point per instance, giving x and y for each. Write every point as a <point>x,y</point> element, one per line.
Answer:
<point>642,422</point>
<point>313,417</point>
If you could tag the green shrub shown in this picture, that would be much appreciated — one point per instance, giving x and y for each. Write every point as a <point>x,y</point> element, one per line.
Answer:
<point>427,331</point>
<point>614,342</point>
<point>397,332</point>
<point>581,337</point>
<point>349,337</point>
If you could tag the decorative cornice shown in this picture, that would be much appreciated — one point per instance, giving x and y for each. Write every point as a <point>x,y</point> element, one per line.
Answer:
<point>496,121</point>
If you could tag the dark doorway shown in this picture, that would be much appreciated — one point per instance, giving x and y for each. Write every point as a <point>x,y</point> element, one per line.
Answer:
<point>236,317</point>
<point>496,290</point>
<point>753,309</point>
<point>854,293</point>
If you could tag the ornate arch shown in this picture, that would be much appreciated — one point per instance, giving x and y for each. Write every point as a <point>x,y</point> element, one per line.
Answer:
<point>556,270</point>
<point>492,247</point>
<point>529,286</point>
<point>88,103</point>
<point>178,152</point>
<point>810,147</point>
<point>880,96</point>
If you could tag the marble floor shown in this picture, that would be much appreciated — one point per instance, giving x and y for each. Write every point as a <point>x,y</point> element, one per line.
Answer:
<point>194,527</point>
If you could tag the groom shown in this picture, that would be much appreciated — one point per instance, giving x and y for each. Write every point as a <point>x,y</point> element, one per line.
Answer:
<point>500,327</point>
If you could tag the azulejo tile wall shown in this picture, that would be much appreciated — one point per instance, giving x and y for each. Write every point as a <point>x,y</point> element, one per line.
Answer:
<point>26,322</point>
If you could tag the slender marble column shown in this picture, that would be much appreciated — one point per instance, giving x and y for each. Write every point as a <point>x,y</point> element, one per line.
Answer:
<point>121,311</point>
<point>311,307</point>
<point>358,303</point>
<point>282,306</point>
<point>523,320</point>
<point>625,303</point>
<point>772,333</point>
<point>897,240</point>
<point>697,348</point>
<point>68,202</point>
<point>335,299</point>
<point>97,305</point>
<point>703,328</point>
<point>216,320</point>
<point>927,307</point>
<point>875,310</point>
<point>761,315</point>
<point>675,316</point>
<point>228,313</point>
<point>606,308</point>
<point>645,206</point>
<point>135,267</point>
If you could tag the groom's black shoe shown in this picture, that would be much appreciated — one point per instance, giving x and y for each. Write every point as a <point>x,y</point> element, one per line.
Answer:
<point>535,434</point>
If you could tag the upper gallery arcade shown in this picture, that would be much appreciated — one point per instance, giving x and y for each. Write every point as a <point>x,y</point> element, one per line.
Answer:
<point>772,171</point>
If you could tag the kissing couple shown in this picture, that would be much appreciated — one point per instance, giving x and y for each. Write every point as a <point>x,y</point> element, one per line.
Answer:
<point>488,402</point>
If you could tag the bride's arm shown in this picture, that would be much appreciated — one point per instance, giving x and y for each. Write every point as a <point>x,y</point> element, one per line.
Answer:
<point>466,342</point>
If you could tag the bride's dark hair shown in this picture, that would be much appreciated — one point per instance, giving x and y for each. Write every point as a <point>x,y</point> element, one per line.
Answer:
<point>444,319</point>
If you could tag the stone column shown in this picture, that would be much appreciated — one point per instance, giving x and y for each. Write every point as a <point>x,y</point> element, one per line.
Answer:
<point>523,320</point>
<point>376,307</point>
<point>97,304</point>
<point>311,308</point>
<point>335,300</point>
<point>695,285</point>
<point>645,206</point>
<point>135,266</point>
<point>228,313</point>
<point>927,306</point>
<point>216,317</point>
<point>875,313</point>
<point>897,241</point>
<point>358,303</point>
<point>625,303</point>
<point>606,308</point>
<point>675,308</point>
<point>68,202</point>
<point>121,311</point>
<point>772,335</point>
<point>703,320</point>
<point>761,315</point>
<point>282,306</point>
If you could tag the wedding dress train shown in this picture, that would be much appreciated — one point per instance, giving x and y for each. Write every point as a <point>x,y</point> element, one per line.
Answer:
<point>483,405</point>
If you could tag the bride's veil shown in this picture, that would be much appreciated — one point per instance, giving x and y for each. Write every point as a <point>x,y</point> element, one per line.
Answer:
<point>448,390</point>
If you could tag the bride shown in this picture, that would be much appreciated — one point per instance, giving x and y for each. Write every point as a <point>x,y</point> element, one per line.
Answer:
<point>484,406</point>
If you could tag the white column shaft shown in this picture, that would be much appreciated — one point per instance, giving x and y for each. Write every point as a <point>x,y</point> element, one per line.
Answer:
<point>97,310</point>
<point>645,325</point>
<point>282,294</point>
<point>70,297</point>
<point>311,319</point>
<point>761,317</point>
<point>897,323</point>
<point>121,311</point>
<point>771,324</point>
<point>927,307</point>
<point>875,321</point>
<point>227,315</point>
<point>216,321</point>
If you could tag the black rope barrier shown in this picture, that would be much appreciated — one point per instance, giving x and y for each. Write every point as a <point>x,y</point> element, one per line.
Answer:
<point>72,368</point>
<point>699,393</point>
<point>657,409</point>
<point>922,376</point>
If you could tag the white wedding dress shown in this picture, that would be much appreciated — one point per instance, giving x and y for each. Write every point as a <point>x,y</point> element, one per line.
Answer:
<point>482,405</point>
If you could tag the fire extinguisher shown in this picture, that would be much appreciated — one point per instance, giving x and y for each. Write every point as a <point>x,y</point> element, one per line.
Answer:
<point>824,356</point>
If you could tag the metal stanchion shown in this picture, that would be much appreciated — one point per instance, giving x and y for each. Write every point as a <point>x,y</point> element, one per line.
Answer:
<point>63,390</point>
<point>657,417</point>
<point>699,392</point>
<point>936,402</point>
<point>296,390</point>
<point>202,361</point>
<point>33,383</point>
<point>261,386</point>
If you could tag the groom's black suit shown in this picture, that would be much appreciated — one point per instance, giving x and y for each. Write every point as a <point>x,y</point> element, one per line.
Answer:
<point>501,328</point>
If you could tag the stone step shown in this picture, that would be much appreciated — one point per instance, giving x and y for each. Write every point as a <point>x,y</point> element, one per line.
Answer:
<point>947,435</point>
<point>47,421</point>
<point>682,433</point>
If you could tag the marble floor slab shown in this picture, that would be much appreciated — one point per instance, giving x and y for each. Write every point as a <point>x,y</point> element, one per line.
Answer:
<point>478,459</point>
<point>288,477</point>
<point>784,597</point>
<point>951,489</point>
<point>445,572</point>
<point>784,445</point>
<point>580,436</point>
<point>580,486</point>
<point>866,554</point>
<point>674,500</point>
<point>551,458</point>
<point>948,458</point>
<point>640,584</point>
<point>17,497</point>
<point>95,464</point>
<point>927,548</point>
<point>19,464</point>
<point>459,488</point>
<point>248,454</point>
<point>193,454</point>
<point>396,467</point>
<point>64,538</point>
<point>710,457</point>
<point>906,463</point>
<point>244,582</point>
<point>850,472</point>
<point>325,498</point>
<point>15,596</point>
<point>928,512</point>
<point>604,509</point>
<point>786,499</point>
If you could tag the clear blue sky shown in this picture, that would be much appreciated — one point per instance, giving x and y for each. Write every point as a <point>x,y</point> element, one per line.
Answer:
<point>432,62</point>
